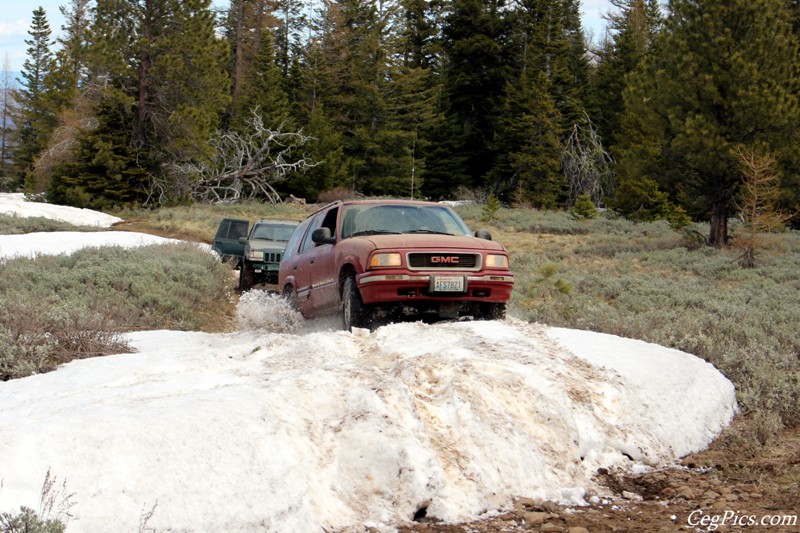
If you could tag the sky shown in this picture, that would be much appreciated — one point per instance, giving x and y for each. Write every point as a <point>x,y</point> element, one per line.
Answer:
<point>286,424</point>
<point>15,19</point>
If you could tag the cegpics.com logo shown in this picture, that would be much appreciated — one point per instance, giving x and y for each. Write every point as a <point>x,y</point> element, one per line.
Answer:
<point>711,522</point>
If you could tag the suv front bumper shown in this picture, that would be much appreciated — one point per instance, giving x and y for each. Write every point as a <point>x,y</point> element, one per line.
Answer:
<point>403,286</point>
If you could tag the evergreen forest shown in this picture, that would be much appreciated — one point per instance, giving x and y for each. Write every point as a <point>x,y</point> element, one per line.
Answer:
<point>167,102</point>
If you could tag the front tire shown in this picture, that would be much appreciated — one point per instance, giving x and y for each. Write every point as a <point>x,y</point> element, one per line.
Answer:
<point>291,297</point>
<point>354,313</point>
<point>246,276</point>
<point>494,311</point>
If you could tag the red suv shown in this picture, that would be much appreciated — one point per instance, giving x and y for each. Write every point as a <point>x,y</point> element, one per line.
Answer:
<point>392,259</point>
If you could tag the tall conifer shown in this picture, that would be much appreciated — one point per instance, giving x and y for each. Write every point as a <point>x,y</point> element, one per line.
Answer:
<point>633,29</point>
<point>725,73</point>
<point>34,118</point>
<point>476,48</point>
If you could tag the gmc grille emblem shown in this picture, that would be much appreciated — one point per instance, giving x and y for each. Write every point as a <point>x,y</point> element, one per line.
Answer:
<point>453,260</point>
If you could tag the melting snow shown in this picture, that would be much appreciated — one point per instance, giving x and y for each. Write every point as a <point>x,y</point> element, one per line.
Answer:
<point>292,425</point>
<point>66,242</point>
<point>15,204</point>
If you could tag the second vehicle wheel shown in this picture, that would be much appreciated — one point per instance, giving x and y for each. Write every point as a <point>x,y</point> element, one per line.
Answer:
<point>246,277</point>
<point>354,313</point>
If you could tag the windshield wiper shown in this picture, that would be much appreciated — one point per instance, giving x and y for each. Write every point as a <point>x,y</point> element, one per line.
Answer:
<point>429,231</point>
<point>374,232</point>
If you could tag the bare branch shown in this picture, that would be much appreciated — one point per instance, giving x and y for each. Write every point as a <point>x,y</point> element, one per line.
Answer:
<point>586,164</point>
<point>245,165</point>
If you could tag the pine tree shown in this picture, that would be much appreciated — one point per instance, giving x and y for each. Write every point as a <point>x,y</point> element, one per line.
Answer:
<point>572,89</point>
<point>633,28</point>
<point>549,39</point>
<point>291,23</point>
<point>724,73</point>
<point>63,85</point>
<point>263,91</point>
<point>476,48</point>
<point>184,88</point>
<point>243,26</point>
<point>419,44</point>
<point>326,151</point>
<point>75,39</point>
<point>529,166</point>
<point>757,202</point>
<point>103,171</point>
<point>34,118</point>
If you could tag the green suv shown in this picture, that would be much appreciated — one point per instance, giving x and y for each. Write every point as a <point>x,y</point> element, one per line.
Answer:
<point>263,250</point>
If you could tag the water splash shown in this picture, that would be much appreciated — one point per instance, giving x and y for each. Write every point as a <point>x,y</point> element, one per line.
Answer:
<point>259,310</point>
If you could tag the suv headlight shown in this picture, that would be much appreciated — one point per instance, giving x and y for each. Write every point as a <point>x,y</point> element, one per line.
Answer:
<point>497,261</point>
<point>385,260</point>
<point>253,255</point>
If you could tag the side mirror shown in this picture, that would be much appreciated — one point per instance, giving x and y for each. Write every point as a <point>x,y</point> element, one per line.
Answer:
<point>242,240</point>
<point>483,234</point>
<point>322,236</point>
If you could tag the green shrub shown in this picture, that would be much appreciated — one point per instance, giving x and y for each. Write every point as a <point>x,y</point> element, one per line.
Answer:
<point>15,225</point>
<point>57,308</point>
<point>53,515</point>
<point>584,208</point>
<point>490,209</point>
<point>27,521</point>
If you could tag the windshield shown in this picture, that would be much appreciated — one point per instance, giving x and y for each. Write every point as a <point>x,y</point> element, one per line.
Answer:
<point>370,219</point>
<point>272,232</point>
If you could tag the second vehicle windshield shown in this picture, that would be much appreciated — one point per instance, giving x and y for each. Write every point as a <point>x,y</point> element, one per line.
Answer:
<point>401,218</point>
<point>272,232</point>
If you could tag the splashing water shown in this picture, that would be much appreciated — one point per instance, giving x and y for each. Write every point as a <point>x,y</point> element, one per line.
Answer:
<point>262,310</point>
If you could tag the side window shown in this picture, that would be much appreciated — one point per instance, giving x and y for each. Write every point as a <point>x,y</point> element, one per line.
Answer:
<point>330,220</point>
<point>294,241</point>
<point>222,230</point>
<point>307,242</point>
<point>238,229</point>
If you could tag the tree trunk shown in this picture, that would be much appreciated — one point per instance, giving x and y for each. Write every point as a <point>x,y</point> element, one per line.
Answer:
<point>718,236</point>
<point>145,62</point>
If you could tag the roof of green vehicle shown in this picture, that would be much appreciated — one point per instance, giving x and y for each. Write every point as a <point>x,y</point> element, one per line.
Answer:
<point>277,221</point>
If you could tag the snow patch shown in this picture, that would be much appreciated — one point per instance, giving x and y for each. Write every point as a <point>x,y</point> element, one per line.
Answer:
<point>66,242</point>
<point>16,204</point>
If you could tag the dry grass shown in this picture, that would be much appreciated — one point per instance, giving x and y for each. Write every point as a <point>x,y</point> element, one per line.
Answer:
<point>198,223</point>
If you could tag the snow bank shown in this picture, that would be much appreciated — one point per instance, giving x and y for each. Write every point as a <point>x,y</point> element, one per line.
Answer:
<point>67,242</point>
<point>15,204</point>
<point>260,430</point>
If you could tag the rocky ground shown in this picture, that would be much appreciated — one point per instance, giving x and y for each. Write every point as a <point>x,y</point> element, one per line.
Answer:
<point>726,483</point>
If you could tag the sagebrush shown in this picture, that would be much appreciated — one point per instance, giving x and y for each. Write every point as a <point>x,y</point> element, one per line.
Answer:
<point>57,308</point>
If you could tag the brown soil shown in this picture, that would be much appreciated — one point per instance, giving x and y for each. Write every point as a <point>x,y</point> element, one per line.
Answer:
<point>726,482</point>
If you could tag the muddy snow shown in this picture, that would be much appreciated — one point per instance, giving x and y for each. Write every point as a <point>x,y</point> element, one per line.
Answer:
<point>293,425</point>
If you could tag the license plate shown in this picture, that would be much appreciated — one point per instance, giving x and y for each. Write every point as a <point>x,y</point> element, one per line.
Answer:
<point>447,284</point>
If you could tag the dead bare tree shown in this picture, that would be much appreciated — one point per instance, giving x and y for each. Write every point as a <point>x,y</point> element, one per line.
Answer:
<point>244,165</point>
<point>586,164</point>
